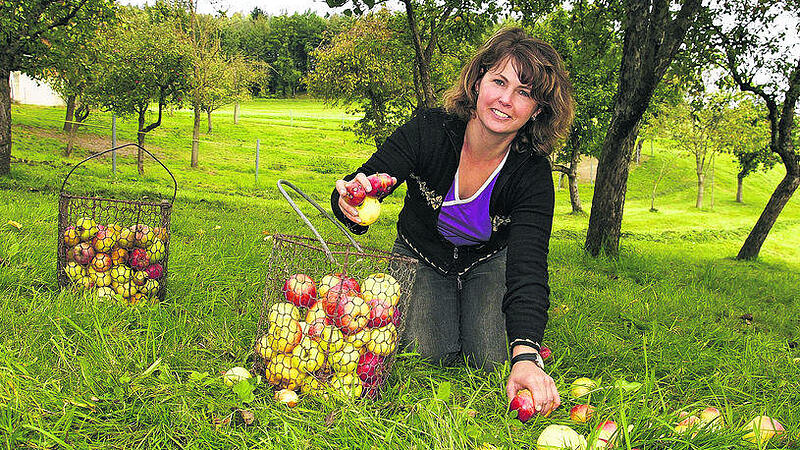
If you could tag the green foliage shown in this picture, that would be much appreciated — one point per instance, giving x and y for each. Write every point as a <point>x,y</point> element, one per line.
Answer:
<point>365,68</point>
<point>145,62</point>
<point>31,28</point>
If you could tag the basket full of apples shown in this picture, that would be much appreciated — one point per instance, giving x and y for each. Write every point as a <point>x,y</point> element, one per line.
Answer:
<point>331,314</point>
<point>114,248</point>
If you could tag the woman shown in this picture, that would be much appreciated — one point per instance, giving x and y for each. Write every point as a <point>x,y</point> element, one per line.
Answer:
<point>479,207</point>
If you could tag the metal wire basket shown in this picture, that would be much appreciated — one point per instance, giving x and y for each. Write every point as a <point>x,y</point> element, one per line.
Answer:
<point>331,313</point>
<point>115,248</point>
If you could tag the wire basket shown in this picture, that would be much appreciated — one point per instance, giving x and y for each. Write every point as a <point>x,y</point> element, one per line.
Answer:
<point>331,313</point>
<point>114,248</point>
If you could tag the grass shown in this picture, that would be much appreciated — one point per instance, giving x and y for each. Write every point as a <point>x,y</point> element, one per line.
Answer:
<point>76,372</point>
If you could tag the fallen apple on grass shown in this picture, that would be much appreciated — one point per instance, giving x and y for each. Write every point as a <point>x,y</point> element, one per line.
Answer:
<point>235,375</point>
<point>761,429</point>
<point>582,386</point>
<point>558,437</point>
<point>288,397</point>
<point>581,413</point>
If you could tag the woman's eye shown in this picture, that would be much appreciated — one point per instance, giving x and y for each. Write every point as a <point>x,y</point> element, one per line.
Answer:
<point>525,93</point>
<point>498,82</point>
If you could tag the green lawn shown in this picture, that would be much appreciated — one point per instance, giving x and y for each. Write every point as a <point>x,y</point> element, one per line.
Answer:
<point>79,373</point>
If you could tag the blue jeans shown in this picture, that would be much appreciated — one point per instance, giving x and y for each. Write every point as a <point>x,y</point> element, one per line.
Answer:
<point>450,318</point>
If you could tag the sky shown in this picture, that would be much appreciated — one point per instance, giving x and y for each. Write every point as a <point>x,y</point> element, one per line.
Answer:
<point>271,7</point>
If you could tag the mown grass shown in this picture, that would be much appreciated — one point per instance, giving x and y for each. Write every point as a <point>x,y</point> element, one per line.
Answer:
<point>76,372</point>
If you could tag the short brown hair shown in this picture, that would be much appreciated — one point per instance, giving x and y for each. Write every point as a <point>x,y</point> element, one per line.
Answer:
<point>538,65</point>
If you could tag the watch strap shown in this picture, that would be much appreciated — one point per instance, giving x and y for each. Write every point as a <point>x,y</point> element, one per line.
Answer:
<point>536,358</point>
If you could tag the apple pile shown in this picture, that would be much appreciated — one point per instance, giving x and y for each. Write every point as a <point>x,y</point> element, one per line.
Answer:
<point>115,261</point>
<point>366,203</point>
<point>331,336</point>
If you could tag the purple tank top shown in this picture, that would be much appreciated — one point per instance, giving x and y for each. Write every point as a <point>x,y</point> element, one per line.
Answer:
<point>467,221</point>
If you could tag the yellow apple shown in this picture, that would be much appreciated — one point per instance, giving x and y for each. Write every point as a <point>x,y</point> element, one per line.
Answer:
<point>284,334</point>
<point>309,357</point>
<point>347,385</point>
<point>382,341</point>
<point>381,286</point>
<point>345,360</point>
<point>369,211</point>
<point>281,309</point>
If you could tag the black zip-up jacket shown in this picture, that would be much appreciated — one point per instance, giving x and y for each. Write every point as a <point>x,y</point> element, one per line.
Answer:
<point>425,153</point>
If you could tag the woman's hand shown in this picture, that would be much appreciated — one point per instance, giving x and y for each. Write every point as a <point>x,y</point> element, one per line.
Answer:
<point>350,211</point>
<point>527,375</point>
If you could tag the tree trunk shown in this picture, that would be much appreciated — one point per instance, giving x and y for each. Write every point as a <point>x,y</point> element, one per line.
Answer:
<point>73,130</point>
<point>236,113</point>
<point>70,116</point>
<point>701,182</point>
<point>739,183</point>
<point>605,219</point>
<point>562,180</point>
<point>422,57</point>
<point>638,156</point>
<point>140,139</point>
<point>652,37</point>
<point>574,198</point>
<point>210,128</point>
<point>196,136</point>
<point>5,121</point>
<point>779,199</point>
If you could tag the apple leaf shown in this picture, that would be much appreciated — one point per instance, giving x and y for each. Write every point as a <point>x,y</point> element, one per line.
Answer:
<point>245,391</point>
<point>197,376</point>
<point>443,393</point>
<point>627,386</point>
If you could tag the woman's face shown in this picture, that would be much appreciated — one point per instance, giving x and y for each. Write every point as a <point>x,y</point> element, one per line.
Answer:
<point>504,103</point>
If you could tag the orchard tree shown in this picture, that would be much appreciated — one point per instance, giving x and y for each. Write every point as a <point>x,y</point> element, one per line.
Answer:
<point>585,37</point>
<point>30,29</point>
<point>364,68</point>
<point>750,145</point>
<point>653,34</point>
<point>72,69</point>
<point>753,51</point>
<point>702,128</point>
<point>429,23</point>
<point>144,63</point>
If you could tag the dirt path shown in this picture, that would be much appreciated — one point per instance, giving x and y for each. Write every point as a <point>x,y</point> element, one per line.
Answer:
<point>90,142</point>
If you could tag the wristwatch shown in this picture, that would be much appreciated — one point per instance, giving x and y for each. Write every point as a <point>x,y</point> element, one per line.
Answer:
<point>535,357</point>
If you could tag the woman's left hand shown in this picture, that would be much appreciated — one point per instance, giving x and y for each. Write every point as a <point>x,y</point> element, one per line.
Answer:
<point>527,375</point>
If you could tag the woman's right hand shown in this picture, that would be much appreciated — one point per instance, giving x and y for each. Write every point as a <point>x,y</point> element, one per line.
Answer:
<point>350,211</point>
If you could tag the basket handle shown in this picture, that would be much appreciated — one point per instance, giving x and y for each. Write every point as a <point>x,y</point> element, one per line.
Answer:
<point>305,219</point>
<point>175,183</point>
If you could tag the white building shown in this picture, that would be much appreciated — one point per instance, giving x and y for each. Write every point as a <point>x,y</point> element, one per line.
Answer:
<point>28,91</point>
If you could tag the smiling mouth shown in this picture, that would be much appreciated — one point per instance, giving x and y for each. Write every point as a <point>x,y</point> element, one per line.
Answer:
<point>500,114</point>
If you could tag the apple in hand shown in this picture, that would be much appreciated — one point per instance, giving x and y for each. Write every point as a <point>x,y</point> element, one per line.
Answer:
<point>381,184</point>
<point>369,210</point>
<point>300,290</point>
<point>523,404</point>
<point>355,193</point>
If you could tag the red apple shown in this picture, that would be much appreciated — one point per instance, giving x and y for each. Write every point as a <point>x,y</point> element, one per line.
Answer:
<point>139,259</point>
<point>154,271</point>
<point>581,413</point>
<point>82,253</point>
<point>381,184</point>
<point>101,262</point>
<point>370,368</point>
<point>545,352</point>
<point>351,314</point>
<point>523,405</point>
<point>333,295</point>
<point>396,317</point>
<point>381,312</point>
<point>606,433</point>
<point>355,193</point>
<point>300,290</point>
